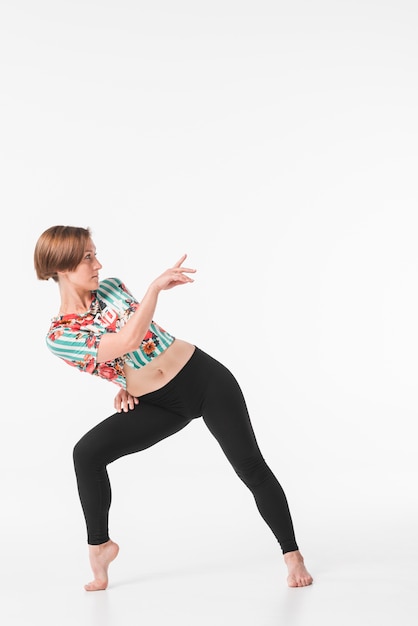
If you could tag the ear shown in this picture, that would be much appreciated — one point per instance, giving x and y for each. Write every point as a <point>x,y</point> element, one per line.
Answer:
<point>61,275</point>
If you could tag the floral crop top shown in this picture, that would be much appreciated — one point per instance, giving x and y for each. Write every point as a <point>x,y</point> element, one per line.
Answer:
<point>75,338</point>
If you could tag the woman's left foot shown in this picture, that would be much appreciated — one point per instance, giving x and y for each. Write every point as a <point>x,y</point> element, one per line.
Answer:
<point>298,574</point>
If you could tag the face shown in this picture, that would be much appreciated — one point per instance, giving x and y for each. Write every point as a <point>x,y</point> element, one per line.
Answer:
<point>86,274</point>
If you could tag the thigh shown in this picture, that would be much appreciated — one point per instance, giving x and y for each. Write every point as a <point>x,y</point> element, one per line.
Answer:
<point>226,415</point>
<point>126,433</point>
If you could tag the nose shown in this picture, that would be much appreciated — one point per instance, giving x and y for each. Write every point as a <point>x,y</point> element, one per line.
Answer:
<point>98,265</point>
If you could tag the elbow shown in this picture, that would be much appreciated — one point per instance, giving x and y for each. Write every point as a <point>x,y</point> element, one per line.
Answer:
<point>132,343</point>
<point>132,346</point>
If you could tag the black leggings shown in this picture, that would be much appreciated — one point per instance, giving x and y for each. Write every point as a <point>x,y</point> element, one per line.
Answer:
<point>202,388</point>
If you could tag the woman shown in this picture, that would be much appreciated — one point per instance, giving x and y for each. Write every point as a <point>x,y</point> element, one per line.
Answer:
<point>164,382</point>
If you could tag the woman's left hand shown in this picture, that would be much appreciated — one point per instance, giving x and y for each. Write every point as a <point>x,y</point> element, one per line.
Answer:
<point>124,401</point>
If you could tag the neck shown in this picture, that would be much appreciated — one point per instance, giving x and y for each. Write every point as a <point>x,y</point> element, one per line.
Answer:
<point>74,303</point>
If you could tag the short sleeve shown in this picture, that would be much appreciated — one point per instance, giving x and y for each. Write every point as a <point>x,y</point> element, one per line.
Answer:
<point>76,343</point>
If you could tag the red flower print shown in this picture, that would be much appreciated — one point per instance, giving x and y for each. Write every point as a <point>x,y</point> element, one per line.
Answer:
<point>91,340</point>
<point>105,371</point>
<point>90,364</point>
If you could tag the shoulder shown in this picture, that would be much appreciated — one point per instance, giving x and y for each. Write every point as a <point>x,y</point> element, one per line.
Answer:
<point>114,289</point>
<point>111,285</point>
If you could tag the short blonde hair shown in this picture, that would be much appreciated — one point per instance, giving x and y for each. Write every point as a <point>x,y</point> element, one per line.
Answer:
<point>60,249</point>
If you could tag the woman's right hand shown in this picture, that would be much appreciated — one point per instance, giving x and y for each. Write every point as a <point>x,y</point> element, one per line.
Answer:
<point>124,401</point>
<point>174,276</point>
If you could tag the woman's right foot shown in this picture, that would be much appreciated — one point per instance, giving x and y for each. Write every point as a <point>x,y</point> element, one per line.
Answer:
<point>100,558</point>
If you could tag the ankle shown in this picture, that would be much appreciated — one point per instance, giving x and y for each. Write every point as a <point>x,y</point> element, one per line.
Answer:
<point>295,555</point>
<point>99,547</point>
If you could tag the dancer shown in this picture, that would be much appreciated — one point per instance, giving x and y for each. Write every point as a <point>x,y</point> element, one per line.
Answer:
<point>164,383</point>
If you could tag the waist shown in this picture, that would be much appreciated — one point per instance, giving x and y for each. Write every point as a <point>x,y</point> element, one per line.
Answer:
<point>160,370</point>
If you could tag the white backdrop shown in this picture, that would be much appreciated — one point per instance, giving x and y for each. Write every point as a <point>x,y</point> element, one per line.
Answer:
<point>274,142</point>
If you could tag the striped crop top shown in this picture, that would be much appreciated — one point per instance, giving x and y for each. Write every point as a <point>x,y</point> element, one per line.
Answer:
<point>75,338</point>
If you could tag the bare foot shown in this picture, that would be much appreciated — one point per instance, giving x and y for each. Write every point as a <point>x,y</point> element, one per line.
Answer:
<point>100,558</point>
<point>298,574</point>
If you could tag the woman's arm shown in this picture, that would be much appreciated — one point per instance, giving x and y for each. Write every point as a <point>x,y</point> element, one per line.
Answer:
<point>128,338</point>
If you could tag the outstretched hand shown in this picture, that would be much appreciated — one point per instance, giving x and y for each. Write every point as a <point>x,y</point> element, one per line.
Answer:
<point>174,276</point>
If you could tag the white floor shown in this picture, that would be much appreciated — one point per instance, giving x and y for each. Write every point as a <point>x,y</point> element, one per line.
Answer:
<point>221,587</point>
<point>196,569</point>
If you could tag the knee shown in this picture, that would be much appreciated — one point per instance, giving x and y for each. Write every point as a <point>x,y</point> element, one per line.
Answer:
<point>253,471</point>
<point>78,453</point>
<point>82,452</point>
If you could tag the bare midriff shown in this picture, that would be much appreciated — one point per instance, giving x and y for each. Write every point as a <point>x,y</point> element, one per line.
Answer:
<point>160,370</point>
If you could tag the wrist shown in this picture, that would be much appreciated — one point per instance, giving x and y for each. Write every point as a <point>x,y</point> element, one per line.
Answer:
<point>153,290</point>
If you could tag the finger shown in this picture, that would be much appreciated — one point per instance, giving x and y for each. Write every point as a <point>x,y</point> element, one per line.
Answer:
<point>180,261</point>
<point>186,269</point>
<point>180,280</point>
<point>120,401</point>
<point>130,402</point>
<point>182,273</point>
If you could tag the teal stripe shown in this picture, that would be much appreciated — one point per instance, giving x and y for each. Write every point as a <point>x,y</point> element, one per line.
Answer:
<point>68,348</point>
